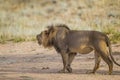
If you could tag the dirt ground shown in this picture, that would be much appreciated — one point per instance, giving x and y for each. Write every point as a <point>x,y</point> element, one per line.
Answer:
<point>29,61</point>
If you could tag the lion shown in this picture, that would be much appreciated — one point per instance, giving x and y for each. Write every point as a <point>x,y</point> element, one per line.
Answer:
<point>69,42</point>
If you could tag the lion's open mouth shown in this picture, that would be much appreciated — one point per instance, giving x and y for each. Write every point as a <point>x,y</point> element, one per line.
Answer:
<point>38,39</point>
<point>39,42</point>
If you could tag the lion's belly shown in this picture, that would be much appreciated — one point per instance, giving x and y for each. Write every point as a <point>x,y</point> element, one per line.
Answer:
<point>85,50</point>
<point>82,49</point>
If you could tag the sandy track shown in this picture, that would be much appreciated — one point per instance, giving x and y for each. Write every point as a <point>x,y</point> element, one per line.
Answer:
<point>29,61</point>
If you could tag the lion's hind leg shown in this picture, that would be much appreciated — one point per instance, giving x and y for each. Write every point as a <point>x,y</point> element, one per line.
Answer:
<point>109,62</point>
<point>103,51</point>
<point>97,62</point>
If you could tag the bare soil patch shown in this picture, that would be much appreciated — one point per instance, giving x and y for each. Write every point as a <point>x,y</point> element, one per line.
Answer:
<point>29,61</point>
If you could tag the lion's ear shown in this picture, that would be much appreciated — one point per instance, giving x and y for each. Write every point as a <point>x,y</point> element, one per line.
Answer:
<point>51,29</point>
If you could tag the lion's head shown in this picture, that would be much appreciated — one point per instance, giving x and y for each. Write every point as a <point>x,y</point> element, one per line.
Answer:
<point>43,39</point>
<point>46,37</point>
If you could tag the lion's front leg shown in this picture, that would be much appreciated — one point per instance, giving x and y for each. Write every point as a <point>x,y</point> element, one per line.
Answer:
<point>65,62</point>
<point>70,59</point>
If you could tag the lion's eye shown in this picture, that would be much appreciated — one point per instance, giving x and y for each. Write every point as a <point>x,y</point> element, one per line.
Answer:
<point>46,32</point>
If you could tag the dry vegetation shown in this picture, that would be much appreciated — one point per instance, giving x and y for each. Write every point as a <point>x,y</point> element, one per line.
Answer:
<point>21,20</point>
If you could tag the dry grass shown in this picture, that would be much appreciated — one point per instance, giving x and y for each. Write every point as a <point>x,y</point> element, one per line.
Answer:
<point>21,20</point>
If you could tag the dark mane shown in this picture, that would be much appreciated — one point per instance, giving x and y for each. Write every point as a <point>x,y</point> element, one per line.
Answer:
<point>63,25</point>
<point>58,25</point>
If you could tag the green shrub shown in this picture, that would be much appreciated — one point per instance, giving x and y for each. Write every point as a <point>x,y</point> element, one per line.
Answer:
<point>113,34</point>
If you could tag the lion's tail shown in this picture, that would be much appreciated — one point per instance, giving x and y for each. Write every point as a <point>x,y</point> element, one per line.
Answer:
<point>110,51</point>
